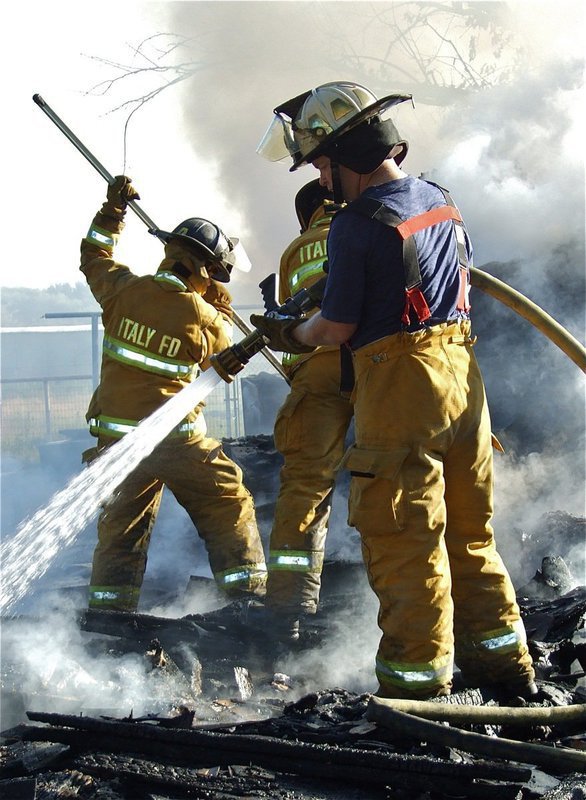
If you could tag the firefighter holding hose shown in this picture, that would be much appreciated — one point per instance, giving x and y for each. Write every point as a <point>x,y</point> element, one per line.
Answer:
<point>422,473</point>
<point>159,331</point>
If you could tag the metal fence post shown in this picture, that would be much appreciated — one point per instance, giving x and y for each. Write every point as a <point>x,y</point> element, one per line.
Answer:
<point>47,402</point>
<point>94,317</point>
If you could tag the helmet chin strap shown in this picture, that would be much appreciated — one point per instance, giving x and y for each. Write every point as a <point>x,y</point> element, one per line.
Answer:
<point>339,199</point>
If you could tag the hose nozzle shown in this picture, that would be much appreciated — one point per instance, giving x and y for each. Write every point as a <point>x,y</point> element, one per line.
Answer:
<point>233,359</point>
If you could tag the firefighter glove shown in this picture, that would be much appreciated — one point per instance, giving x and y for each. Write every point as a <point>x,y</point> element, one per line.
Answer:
<point>279,332</point>
<point>118,195</point>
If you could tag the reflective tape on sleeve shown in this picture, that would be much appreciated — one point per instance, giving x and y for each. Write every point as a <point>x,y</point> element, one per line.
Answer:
<point>164,276</point>
<point>101,237</point>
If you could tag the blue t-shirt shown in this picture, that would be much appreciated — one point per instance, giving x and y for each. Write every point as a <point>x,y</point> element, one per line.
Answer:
<point>366,279</point>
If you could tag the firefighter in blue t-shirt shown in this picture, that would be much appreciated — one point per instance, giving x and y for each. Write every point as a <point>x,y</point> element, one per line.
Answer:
<point>421,466</point>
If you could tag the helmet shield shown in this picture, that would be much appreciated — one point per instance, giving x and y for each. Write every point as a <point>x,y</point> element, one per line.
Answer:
<point>278,141</point>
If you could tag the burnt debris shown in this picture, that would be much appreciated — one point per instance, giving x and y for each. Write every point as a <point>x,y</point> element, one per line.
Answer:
<point>168,705</point>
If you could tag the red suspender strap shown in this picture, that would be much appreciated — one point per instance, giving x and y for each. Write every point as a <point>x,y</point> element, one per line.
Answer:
<point>415,300</point>
<point>427,219</point>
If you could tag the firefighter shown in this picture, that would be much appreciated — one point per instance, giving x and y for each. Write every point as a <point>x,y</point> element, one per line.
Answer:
<point>159,331</point>
<point>422,472</point>
<point>310,431</point>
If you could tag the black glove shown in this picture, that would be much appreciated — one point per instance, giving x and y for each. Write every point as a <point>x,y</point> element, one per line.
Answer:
<point>118,195</point>
<point>279,332</point>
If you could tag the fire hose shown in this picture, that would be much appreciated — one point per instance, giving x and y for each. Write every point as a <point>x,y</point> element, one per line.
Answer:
<point>532,313</point>
<point>234,358</point>
<point>409,722</point>
<point>240,323</point>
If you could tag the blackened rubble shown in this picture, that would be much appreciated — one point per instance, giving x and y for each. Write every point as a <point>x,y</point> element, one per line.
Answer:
<point>230,717</point>
<point>217,743</point>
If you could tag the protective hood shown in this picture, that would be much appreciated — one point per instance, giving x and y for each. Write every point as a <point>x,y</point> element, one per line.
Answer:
<point>308,199</point>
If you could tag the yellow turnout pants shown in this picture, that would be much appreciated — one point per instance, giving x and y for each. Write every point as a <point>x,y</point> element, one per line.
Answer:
<point>209,487</point>
<point>422,499</point>
<point>310,432</point>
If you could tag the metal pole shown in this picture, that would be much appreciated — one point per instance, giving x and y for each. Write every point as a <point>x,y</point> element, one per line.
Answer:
<point>136,208</point>
<point>90,157</point>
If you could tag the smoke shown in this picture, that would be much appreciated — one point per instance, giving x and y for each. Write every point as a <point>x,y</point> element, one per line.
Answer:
<point>61,673</point>
<point>512,144</point>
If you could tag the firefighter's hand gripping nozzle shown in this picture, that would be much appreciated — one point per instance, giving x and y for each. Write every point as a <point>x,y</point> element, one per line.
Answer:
<point>233,359</point>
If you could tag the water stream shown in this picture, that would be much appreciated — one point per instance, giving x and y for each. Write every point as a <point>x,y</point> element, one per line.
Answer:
<point>27,555</point>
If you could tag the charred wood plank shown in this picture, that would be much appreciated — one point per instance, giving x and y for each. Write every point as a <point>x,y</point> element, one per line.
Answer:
<point>452,783</point>
<point>20,759</point>
<point>559,759</point>
<point>142,775</point>
<point>196,747</point>
<point>140,627</point>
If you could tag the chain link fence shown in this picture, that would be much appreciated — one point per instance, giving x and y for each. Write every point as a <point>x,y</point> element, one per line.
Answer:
<point>34,411</point>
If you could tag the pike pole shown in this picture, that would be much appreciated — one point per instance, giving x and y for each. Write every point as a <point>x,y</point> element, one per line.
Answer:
<point>151,226</point>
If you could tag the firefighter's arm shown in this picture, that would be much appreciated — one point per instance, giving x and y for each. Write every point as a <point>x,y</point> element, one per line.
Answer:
<point>215,334</point>
<point>97,262</point>
<point>318,330</point>
<point>292,335</point>
<point>220,298</point>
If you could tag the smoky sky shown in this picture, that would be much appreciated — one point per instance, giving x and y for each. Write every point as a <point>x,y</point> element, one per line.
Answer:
<point>504,150</point>
<point>507,148</point>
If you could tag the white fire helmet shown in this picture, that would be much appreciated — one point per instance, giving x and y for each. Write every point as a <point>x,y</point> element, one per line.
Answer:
<point>318,121</point>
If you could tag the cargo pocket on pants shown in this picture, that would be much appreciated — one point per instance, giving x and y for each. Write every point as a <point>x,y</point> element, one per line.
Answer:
<point>288,430</point>
<point>377,496</point>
